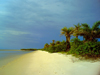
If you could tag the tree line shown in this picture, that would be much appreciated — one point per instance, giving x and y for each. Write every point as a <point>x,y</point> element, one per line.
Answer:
<point>89,45</point>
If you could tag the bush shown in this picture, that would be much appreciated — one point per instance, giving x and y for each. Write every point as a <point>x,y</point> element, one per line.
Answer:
<point>56,48</point>
<point>89,49</point>
<point>63,42</point>
<point>60,48</point>
<point>50,49</point>
<point>75,43</point>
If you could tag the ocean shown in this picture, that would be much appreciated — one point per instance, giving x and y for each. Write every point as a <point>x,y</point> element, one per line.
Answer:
<point>7,56</point>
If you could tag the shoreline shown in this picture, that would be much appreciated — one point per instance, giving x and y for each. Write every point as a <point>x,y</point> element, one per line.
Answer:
<point>7,60</point>
<point>7,57</point>
<point>44,63</point>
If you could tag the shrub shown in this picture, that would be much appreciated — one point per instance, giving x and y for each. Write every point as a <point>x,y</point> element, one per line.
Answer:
<point>74,45</point>
<point>60,48</point>
<point>57,42</point>
<point>76,42</point>
<point>50,49</point>
<point>89,49</point>
<point>55,47</point>
<point>63,42</point>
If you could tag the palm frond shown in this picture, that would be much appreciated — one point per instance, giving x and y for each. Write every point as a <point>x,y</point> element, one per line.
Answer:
<point>96,25</point>
<point>86,27</point>
<point>64,29</point>
<point>67,31</point>
<point>77,26</point>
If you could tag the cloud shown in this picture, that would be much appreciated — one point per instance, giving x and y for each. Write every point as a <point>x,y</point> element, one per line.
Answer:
<point>13,39</point>
<point>32,22</point>
<point>15,32</point>
<point>39,13</point>
<point>33,13</point>
<point>18,33</point>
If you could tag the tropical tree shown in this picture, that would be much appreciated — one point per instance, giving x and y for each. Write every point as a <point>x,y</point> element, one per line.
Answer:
<point>96,29</point>
<point>63,42</point>
<point>52,44</point>
<point>53,41</point>
<point>90,33</point>
<point>67,32</point>
<point>46,45</point>
<point>76,30</point>
<point>57,42</point>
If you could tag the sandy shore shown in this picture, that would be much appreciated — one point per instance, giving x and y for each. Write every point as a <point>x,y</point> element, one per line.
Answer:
<point>44,63</point>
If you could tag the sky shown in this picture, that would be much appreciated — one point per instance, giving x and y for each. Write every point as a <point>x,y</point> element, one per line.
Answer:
<point>32,23</point>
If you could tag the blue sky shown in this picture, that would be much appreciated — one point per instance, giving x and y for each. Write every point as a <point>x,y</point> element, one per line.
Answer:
<point>32,23</point>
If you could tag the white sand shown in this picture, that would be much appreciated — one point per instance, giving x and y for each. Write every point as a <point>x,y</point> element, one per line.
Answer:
<point>44,63</point>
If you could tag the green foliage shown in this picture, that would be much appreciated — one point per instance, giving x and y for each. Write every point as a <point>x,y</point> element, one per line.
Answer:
<point>46,45</point>
<point>57,42</point>
<point>63,42</point>
<point>74,45</point>
<point>76,42</point>
<point>31,49</point>
<point>58,47</point>
<point>52,44</point>
<point>51,49</point>
<point>88,49</point>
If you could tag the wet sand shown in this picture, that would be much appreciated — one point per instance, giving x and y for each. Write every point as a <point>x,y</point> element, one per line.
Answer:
<point>44,63</point>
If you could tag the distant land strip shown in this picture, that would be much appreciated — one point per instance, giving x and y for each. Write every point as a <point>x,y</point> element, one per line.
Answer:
<point>29,49</point>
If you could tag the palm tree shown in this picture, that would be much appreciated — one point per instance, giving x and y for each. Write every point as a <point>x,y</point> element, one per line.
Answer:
<point>96,29</point>
<point>46,45</point>
<point>76,30</point>
<point>90,33</point>
<point>52,44</point>
<point>57,42</point>
<point>53,41</point>
<point>67,32</point>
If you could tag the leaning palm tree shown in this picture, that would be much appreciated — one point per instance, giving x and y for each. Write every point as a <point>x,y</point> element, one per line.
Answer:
<point>90,33</point>
<point>67,32</point>
<point>76,30</point>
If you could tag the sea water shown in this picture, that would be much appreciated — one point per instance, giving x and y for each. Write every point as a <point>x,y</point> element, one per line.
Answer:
<point>7,56</point>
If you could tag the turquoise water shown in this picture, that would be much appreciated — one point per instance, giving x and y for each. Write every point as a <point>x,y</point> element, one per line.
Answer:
<point>7,56</point>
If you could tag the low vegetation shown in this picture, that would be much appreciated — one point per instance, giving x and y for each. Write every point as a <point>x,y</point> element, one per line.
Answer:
<point>88,49</point>
<point>55,46</point>
<point>29,49</point>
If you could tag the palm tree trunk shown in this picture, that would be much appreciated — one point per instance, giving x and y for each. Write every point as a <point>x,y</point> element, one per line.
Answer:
<point>68,43</point>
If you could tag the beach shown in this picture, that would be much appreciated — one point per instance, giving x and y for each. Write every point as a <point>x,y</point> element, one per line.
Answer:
<point>6,56</point>
<point>44,63</point>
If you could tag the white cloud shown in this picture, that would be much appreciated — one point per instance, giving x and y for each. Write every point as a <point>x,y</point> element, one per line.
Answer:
<point>34,20</point>
<point>13,32</point>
